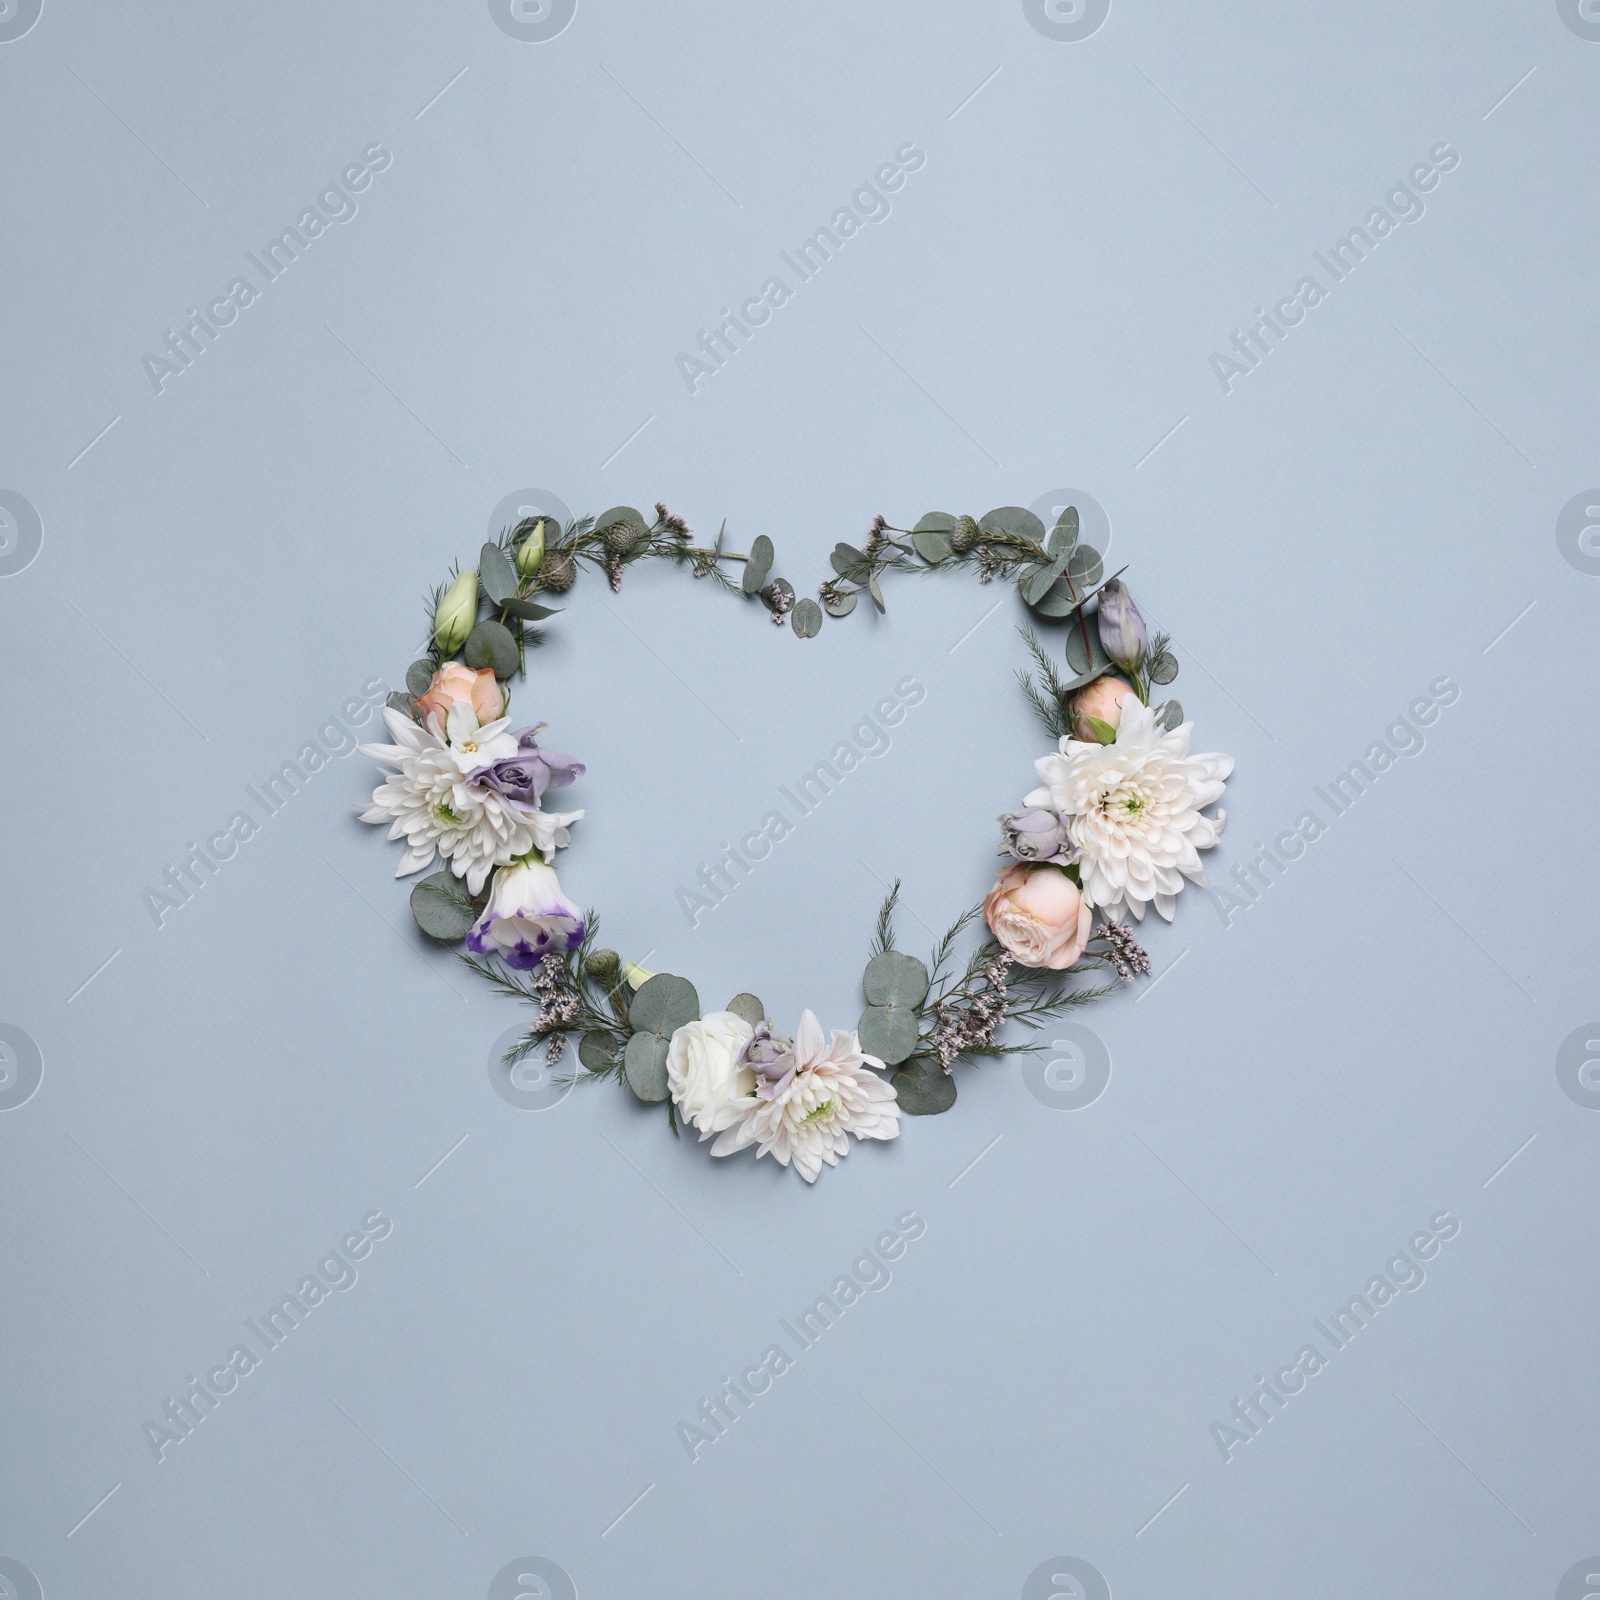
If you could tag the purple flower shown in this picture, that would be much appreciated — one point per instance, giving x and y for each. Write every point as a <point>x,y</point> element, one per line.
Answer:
<point>527,917</point>
<point>770,1056</point>
<point>526,775</point>
<point>1038,836</point>
<point>1122,631</point>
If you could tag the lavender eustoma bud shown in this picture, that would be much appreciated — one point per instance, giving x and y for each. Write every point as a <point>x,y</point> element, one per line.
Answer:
<point>767,1054</point>
<point>1122,631</point>
<point>1037,835</point>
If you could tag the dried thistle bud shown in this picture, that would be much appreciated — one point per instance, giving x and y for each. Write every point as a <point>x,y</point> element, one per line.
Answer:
<point>621,537</point>
<point>604,966</point>
<point>966,534</point>
<point>557,571</point>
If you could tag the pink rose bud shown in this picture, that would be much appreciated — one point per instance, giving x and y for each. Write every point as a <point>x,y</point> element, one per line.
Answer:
<point>454,682</point>
<point>1099,702</point>
<point>1039,916</point>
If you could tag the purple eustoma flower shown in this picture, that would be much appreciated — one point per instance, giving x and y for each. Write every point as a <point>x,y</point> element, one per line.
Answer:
<point>527,917</point>
<point>525,776</point>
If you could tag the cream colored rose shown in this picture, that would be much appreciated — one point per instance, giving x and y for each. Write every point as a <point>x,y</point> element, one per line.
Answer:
<point>703,1074</point>
<point>1039,916</point>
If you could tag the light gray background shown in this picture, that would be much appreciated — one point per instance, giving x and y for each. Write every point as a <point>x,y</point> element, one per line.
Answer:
<point>1298,1092</point>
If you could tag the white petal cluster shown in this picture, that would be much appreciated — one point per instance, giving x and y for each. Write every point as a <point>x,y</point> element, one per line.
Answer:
<point>429,801</point>
<point>1135,810</point>
<point>805,1117</point>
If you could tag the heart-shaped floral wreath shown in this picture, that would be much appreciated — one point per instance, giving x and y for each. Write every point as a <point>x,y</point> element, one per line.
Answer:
<point>1116,825</point>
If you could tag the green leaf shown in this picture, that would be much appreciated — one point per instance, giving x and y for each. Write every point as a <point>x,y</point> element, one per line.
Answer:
<point>645,1061</point>
<point>935,522</point>
<point>616,514</point>
<point>759,564</point>
<point>1059,600</point>
<point>1169,714</point>
<point>849,562</point>
<point>888,1032</point>
<point>598,1051</point>
<point>530,610</point>
<point>1085,567</point>
<point>784,587</point>
<point>662,1006</point>
<point>895,979</point>
<point>1083,663</point>
<point>876,594</point>
<point>1040,579</point>
<point>1162,670</point>
<point>932,545</point>
<point>806,619</point>
<point>1103,732</point>
<point>1014,520</point>
<point>840,602</point>
<point>418,676</point>
<point>747,1007</point>
<point>490,645</point>
<point>403,703</point>
<point>444,908</point>
<point>497,578</point>
<point>923,1090</point>
<point>1065,533</point>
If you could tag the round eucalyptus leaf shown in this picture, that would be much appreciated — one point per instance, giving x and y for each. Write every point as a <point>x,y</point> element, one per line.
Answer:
<point>840,602</point>
<point>748,1008</point>
<point>1085,567</point>
<point>1017,521</point>
<point>418,676</point>
<point>875,594</point>
<point>646,1063</point>
<point>444,908</point>
<point>758,566</point>
<point>496,576</point>
<point>663,1004</point>
<point>530,610</point>
<point>395,700</point>
<point>1042,578</point>
<point>1061,599</point>
<point>895,979</point>
<point>845,559</point>
<point>597,1051</point>
<point>1085,659</point>
<point>935,522</point>
<point>806,619</point>
<point>923,1090</point>
<point>932,544</point>
<point>490,645</point>
<point>1171,715</point>
<point>617,514</point>
<point>890,1034</point>
<point>1065,533</point>
<point>1164,668</point>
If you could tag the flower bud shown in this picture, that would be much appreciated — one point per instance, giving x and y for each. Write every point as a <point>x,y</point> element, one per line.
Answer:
<point>557,572</point>
<point>456,613</point>
<point>1122,629</point>
<point>604,966</point>
<point>1037,835</point>
<point>531,551</point>
<point>769,1055</point>
<point>1097,710</point>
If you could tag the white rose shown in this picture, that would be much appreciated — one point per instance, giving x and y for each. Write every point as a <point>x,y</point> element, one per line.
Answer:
<point>701,1068</point>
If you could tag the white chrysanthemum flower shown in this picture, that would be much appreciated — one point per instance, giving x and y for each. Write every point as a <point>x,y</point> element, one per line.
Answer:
<point>806,1115</point>
<point>429,802</point>
<point>1135,810</point>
